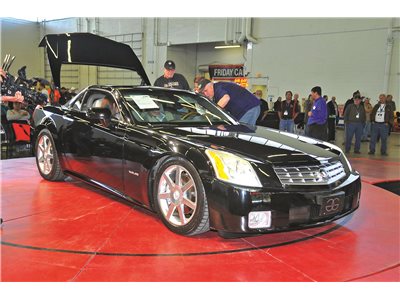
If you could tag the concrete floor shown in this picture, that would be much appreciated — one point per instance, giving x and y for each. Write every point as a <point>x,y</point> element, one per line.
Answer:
<point>393,147</point>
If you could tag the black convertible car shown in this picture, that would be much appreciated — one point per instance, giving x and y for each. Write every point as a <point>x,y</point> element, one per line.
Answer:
<point>178,154</point>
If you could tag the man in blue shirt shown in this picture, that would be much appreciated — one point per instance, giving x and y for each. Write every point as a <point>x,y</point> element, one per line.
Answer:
<point>238,101</point>
<point>317,117</point>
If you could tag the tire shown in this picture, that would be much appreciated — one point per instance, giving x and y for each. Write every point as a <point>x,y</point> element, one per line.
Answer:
<point>47,157</point>
<point>180,201</point>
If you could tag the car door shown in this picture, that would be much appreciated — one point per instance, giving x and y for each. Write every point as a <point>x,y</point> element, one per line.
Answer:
<point>139,151</point>
<point>94,150</point>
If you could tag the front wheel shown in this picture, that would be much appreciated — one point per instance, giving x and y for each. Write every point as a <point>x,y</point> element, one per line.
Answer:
<point>180,198</point>
<point>47,158</point>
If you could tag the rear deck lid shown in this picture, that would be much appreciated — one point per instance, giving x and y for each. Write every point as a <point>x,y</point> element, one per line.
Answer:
<point>89,49</point>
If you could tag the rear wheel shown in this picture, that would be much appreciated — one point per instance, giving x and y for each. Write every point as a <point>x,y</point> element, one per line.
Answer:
<point>179,197</point>
<point>47,158</point>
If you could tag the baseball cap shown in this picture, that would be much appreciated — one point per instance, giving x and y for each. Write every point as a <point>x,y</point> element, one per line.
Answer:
<point>169,65</point>
<point>202,84</point>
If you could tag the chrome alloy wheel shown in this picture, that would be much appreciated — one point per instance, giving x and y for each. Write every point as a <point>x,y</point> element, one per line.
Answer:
<point>177,195</point>
<point>45,155</point>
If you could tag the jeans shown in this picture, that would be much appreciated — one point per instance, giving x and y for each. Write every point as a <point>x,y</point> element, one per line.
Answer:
<point>251,116</point>
<point>382,130</point>
<point>286,125</point>
<point>366,131</point>
<point>353,129</point>
<point>306,129</point>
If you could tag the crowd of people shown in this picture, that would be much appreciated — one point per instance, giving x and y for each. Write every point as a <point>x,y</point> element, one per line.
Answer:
<point>14,108</point>
<point>362,120</point>
<point>320,116</point>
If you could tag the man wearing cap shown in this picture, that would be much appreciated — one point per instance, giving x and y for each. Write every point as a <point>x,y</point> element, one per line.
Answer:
<point>238,101</point>
<point>381,118</point>
<point>354,119</point>
<point>170,79</point>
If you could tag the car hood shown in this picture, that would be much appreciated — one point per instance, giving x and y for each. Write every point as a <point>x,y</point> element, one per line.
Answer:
<point>89,49</point>
<point>258,143</point>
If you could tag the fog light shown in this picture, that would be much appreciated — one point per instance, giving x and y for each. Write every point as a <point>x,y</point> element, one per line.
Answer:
<point>260,219</point>
<point>257,197</point>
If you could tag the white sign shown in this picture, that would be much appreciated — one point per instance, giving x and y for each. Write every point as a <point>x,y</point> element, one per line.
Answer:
<point>144,102</point>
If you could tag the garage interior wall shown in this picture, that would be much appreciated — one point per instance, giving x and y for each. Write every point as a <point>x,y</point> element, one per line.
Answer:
<point>340,54</point>
<point>20,39</point>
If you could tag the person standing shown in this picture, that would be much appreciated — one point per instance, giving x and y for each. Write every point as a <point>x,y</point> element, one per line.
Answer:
<point>42,89</point>
<point>381,117</point>
<point>263,106</point>
<point>171,79</point>
<point>297,111</point>
<point>348,102</point>
<point>307,108</point>
<point>332,115</point>
<point>238,101</point>
<point>354,119</point>
<point>278,104</point>
<point>392,105</point>
<point>367,127</point>
<point>351,100</point>
<point>317,117</point>
<point>287,113</point>
<point>390,102</point>
<point>296,102</point>
<point>336,110</point>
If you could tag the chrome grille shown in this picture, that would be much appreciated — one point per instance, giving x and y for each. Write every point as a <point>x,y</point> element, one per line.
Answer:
<point>326,173</point>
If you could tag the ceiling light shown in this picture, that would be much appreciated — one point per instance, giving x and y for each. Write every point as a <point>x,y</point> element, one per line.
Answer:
<point>227,46</point>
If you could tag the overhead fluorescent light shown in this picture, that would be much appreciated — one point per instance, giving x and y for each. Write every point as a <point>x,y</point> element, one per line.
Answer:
<point>227,46</point>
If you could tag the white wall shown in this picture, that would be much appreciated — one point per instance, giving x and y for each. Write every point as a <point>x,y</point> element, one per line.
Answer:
<point>193,30</point>
<point>111,26</point>
<point>394,78</point>
<point>60,26</point>
<point>21,38</point>
<point>184,57</point>
<point>340,55</point>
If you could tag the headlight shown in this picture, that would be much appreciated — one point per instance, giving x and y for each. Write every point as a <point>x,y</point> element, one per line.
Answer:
<point>232,168</point>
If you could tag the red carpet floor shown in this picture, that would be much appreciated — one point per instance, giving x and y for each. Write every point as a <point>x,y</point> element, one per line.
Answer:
<point>72,232</point>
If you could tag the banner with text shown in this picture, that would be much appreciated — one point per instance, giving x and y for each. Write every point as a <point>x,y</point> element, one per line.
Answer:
<point>233,73</point>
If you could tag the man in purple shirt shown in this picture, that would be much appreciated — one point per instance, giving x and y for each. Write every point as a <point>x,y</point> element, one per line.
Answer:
<point>238,101</point>
<point>317,117</point>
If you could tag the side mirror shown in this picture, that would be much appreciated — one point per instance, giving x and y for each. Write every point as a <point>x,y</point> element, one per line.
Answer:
<point>97,114</point>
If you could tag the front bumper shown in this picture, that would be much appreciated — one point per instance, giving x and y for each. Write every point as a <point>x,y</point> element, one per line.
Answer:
<point>290,209</point>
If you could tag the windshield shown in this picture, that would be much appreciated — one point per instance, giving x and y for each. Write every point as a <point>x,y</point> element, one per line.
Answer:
<point>175,107</point>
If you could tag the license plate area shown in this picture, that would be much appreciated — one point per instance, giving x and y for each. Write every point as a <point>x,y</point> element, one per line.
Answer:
<point>330,205</point>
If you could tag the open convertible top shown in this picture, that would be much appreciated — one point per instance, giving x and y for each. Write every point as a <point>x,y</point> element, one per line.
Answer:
<point>89,49</point>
